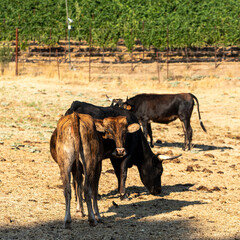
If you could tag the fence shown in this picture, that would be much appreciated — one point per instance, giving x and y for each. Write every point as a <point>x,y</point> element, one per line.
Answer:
<point>79,53</point>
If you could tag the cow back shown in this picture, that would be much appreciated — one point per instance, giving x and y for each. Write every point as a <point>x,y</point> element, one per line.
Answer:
<point>161,108</point>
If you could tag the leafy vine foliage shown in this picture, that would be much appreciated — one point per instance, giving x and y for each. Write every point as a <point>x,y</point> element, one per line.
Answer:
<point>161,24</point>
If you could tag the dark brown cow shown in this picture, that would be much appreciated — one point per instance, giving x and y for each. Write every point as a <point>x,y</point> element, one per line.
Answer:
<point>163,108</point>
<point>138,151</point>
<point>79,135</point>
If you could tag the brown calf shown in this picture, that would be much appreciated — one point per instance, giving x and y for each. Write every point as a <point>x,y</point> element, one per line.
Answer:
<point>80,135</point>
<point>163,108</point>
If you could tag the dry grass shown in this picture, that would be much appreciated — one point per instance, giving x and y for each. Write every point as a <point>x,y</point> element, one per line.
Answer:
<point>201,194</point>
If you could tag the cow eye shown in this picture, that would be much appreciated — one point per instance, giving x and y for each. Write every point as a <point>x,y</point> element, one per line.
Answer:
<point>110,132</point>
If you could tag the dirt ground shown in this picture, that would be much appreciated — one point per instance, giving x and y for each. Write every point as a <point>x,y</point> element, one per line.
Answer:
<point>201,190</point>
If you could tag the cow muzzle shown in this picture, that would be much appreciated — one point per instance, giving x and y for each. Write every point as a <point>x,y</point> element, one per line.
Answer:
<point>119,152</point>
<point>156,191</point>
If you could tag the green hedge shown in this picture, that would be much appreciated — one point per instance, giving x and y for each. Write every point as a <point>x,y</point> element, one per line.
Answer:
<point>175,23</point>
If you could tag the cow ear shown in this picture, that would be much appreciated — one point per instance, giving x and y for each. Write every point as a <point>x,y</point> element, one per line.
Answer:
<point>133,127</point>
<point>99,125</point>
<point>127,107</point>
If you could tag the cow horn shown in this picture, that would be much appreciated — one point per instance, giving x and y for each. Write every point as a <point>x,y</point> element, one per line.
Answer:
<point>165,157</point>
<point>133,127</point>
<point>108,98</point>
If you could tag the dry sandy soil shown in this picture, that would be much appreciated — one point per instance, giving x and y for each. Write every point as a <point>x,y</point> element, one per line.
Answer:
<point>201,190</point>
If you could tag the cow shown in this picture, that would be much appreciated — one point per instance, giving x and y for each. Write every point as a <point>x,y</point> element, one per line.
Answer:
<point>163,108</point>
<point>76,146</point>
<point>138,151</point>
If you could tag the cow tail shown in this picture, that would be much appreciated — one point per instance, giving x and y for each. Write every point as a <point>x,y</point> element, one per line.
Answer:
<point>78,143</point>
<point>199,116</point>
<point>78,150</point>
<point>76,131</point>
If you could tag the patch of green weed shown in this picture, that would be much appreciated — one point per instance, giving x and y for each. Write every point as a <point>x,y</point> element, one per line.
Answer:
<point>36,105</point>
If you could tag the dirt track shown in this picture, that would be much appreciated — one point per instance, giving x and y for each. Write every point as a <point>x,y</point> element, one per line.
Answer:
<point>201,191</point>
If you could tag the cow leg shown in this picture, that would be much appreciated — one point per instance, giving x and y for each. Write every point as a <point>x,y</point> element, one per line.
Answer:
<point>149,130</point>
<point>74,183</point>
<point>88,194</point>
<point>187,134</point>
<point>116,166</point>
<point>184,113</point>
<point>89,172</point>
<point>145,128</point>
<point>86,164</point>
<point>78,188</point>
<point>121,173</point>
<point>95,184</point>
<point>123,177</point>
<point>65,175</point>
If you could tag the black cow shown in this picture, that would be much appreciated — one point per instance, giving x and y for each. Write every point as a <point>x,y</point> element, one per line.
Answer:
<point>138,151</point>
<point>163,108</point>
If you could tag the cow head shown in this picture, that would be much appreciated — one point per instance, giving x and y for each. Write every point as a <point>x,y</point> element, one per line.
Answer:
<point>116,128</point>
<point>128,104</point>
<point>115,102</point>
<point>118,102</point>
<point>152,172</point>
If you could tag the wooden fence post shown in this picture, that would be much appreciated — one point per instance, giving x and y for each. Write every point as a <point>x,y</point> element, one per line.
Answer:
<point>215,55</point>
<point>167,50</point>
<point>89,62</point>
<point>143,33</point>
<point>158,67</point>
<point>50,48</point>
<point>16,58</point>
<point>58,65</point>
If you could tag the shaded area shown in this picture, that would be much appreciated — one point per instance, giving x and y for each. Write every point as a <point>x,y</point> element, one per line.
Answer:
<point>150,208</point>
<point>166,190</point>
<point>136,191</point>
<point>201,147</point>
<point>125,223</point>
<point>117,230</point>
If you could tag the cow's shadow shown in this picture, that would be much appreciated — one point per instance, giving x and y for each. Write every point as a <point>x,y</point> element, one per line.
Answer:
<point>201,147</point>
<point>153,207</point>
<point>135,191</point>
<point>166,190</point>
<point>149,208</point>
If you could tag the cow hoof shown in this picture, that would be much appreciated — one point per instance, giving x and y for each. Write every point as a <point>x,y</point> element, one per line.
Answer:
<point>82,214</point>
<point>184,148</point>
<point>159,141</point>
<point>93,223</point>
<point>124,197</point>
<point>100,220</point>
<point>67,225</point>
